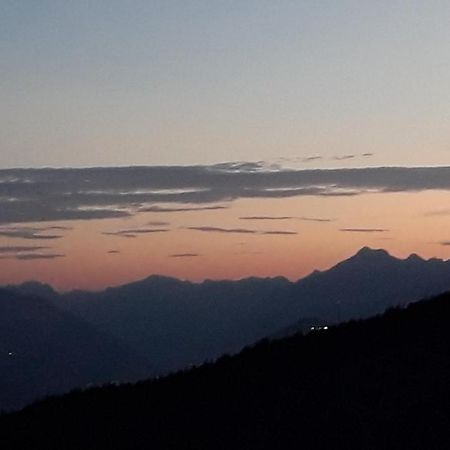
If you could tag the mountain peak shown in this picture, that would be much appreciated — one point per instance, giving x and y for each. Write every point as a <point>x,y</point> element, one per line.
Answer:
<point>414,257</point>
<point>34,288</point>
<point>368,252</point>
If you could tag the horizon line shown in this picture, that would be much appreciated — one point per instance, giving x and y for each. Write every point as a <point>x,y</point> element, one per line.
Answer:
<point>184,280</point>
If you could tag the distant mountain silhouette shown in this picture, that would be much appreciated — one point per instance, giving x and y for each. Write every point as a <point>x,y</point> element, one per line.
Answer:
<point>36,289</point>
<point>368,283</point>
<point>45,350</point>
<point>379,384</point>
<point>178,323</point>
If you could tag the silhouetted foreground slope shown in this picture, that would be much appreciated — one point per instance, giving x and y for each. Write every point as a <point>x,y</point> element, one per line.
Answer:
<point>44,350</point>
<point>382,383</point>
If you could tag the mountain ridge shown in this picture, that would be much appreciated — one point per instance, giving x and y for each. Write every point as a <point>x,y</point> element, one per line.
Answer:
<point>174,324</point>
<point>379,383</point>
<point>45,350</point>
<point>178,323</point>
<point>156,277</point>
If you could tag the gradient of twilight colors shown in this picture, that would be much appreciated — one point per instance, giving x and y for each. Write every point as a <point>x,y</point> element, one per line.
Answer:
<point>178,87</point>
<point>121,82</point>
<point>280,232</point>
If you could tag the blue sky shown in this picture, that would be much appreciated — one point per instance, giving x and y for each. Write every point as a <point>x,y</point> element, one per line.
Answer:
<point>197,82</point>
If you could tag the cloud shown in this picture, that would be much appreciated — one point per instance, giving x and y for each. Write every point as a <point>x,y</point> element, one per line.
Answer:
<point>222,230</point>
<point>445,243</point>
<point>207,229</point>
<point>134,232</point>
<point>184,255</point>
<point>113,252</point>
<point>280,233</point>
<point>364,230</point>
<point>344,157</point>
<point>168,209</point>
<point>267,218</point>
<point>247,167</point>
<point>156,223</point>
<point>306,219</point>
<point>27,252</point>
<point>22,248</point>
<point>44,195</point>
<point>289,161</point>
<point>311,158</point>
<point>33,256</point>
<point>316,219</point>
<point>30,233</point>
<point>118,234</point>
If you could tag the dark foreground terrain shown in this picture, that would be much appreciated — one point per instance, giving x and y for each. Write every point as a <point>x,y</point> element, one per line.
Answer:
<point>382,383</point>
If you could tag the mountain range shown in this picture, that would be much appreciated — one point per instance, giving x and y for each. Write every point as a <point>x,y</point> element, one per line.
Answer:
<point>45,350</point>
<point>165,324</point>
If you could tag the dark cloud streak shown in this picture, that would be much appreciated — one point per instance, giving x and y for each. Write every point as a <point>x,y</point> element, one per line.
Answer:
<point>43,195</point>
<point>22,248</point>
<point>305,219</point>
<point>364,230</point>
<point>132,233</point>
<point>33,256</point>
<point>166,209</point>
<point>29,233</point>
<point>222,230</point>
<point>208,229</point>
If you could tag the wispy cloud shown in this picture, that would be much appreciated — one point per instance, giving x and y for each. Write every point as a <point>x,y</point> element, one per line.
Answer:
<point>222,230</point>
<point>267,218</point>
<point>316,219</point>
<point>27,252</point>
<point>168,209</point>
<point>279,232</point>
<point>22,248</point>
<point>113,252</point>
<point>44,195</point>
<point>445,243</point>
<point>311,158</point>
<point>33,256</point>
<point>184,255</point>
<point>207,229</point>
<point>344,157</point>
<point>134,232</point>
<point>299,160</point>
<point>306,219</point>
<point>31,233</point>
<point>156,223</point>
<point>364,230</point>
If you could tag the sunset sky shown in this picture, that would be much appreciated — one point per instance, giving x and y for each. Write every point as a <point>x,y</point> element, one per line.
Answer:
<point>267,138</point>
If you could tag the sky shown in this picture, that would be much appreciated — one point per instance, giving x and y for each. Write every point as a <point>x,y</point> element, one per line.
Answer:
<point>105,83</point>
<point>245,116</point>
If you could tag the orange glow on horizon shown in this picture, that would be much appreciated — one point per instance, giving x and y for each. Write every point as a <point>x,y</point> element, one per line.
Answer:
<point>317,245</point>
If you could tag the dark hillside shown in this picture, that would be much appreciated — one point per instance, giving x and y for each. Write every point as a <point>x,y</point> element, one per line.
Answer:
<point>45,350</point>
<point>381,383</point>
